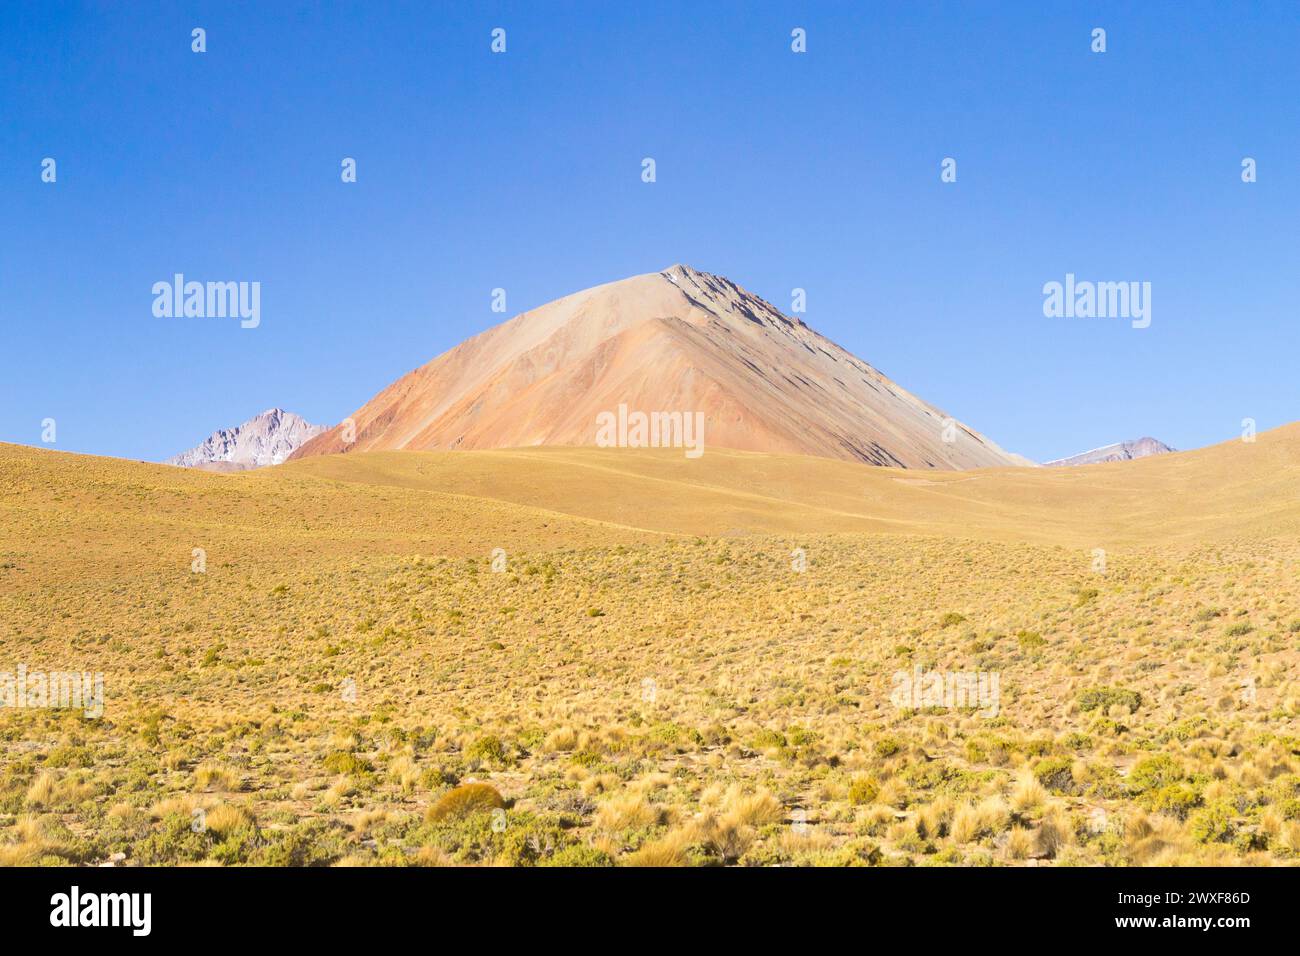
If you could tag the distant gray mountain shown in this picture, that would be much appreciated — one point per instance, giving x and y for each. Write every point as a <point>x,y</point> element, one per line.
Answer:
<point>266,439</point>
<point>1122,451</point>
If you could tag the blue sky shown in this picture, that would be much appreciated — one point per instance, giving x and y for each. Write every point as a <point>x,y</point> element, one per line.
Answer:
<point>522,171</point>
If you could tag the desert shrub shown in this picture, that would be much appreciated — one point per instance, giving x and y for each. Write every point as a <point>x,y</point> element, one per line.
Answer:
<point>314,843</point>
<point>800,737</point>
<point>237,847</point>
<point>487,749</point>
<point>174,841</point>
<point>1289,809</point>
<point>1152,773</point>
<point>951,619</point>
<point>1187,730</point>
<point>1030,640</point>
<point>342,761</point>
<point>1106,697</point>
<point>768,739</point>
<point>934,774</point>
<point>577,854</point>
<point>1212,823</point>
<point>667,733</point>
<point>464,800</point>
<point>887,746</point>
<point>1177,800</point>
<point>1105,727</point>
<point>435,778</point>
<point>70,756</point>
<point>856,852</point>
<point>862,790</point>
<point>1054,773</point>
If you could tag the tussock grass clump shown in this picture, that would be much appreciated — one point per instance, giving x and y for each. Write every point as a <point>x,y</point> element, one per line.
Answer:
<point>42,790</point>
<point>668,851</point>
<point>1029,795</point>
<point>562,740</point>
<point>225,819</point>
<point>628,811</point>
<point>217,777</point>
<point>977,821</point>
<point>756,809</point>
<point>464,800</point>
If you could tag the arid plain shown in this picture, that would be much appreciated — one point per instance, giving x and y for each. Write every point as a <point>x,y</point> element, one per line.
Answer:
<point>667,661</point>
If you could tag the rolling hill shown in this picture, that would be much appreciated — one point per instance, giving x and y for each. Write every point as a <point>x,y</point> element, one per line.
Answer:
<point>653,660</point>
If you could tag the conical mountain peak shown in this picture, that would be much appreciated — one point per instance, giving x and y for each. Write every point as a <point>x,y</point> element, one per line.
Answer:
<point>681,340</point>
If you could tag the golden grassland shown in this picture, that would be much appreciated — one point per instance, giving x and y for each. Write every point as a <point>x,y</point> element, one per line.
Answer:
<point>650,680</point>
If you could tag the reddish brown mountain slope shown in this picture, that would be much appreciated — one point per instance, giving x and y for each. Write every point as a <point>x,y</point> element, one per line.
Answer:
<point>676,340</point>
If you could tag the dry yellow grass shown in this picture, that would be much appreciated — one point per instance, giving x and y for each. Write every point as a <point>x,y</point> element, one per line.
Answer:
<point>645,675</point>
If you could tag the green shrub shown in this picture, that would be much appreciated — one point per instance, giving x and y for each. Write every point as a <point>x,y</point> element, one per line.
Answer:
<point>1029,640</point>
<point>175,841</point>
<point>1054,773</point>
<point>887,746</point>
<point>70,756</point>
<point>1212,823</point>
<point>341,761</point>
<point>1289,808</point>
<point>577,854</point>
<point>314,843</point>
<point>488,749</point>
<point>1152,773</point>
<point>767,739</point>
<point>1106,697</point>
<point>799,737</point>
<point>862,791</point>
<point>1176,799</point>
<point>950,619</point>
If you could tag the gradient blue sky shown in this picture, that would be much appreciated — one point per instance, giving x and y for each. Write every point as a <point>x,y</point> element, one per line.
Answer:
<point>523,171</point>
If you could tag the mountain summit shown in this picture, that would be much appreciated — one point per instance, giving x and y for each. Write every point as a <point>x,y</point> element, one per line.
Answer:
<point>676,341</point>
<point>1120,451</point>
<point>266,439</point>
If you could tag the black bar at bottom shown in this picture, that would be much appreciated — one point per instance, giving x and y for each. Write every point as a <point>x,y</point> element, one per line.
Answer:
<point>334,906</point>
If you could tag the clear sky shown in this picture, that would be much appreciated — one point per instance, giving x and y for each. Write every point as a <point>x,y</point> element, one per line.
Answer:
<point>523,171</point>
